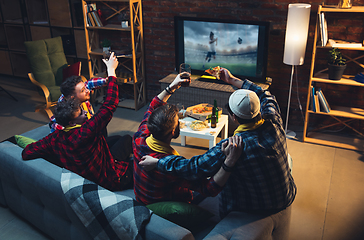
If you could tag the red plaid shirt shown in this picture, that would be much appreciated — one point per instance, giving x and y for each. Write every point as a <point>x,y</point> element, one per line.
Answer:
<point>84,150</point>
<point>154,186</point>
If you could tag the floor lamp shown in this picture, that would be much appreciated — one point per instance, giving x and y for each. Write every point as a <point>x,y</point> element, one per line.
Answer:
<point>298,19</point>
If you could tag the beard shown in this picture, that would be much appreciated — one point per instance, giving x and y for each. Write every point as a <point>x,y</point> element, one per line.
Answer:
<point>176,132</point>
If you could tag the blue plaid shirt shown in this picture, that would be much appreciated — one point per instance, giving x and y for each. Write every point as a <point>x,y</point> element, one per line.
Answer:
<point>261,180</point>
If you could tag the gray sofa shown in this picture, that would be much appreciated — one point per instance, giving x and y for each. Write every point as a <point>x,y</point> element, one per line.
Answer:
<point>32,189</point>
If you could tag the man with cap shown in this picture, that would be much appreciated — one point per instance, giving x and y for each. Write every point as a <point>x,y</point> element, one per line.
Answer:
<point>260,181</point>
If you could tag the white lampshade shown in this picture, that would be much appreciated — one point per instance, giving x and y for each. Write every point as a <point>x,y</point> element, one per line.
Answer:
<point>298,19</point>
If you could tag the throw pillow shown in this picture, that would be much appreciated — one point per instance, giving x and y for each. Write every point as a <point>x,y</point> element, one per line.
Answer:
<point>23,141</point>
<point>72,70</point>
<point>184,214</point>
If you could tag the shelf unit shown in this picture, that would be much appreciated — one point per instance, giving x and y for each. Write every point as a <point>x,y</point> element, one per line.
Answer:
<point>343,115</point>
<point>30,20</point>
<point>131,69</point>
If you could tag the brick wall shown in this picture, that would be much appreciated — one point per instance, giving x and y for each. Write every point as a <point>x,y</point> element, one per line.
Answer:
<point>159,42</point>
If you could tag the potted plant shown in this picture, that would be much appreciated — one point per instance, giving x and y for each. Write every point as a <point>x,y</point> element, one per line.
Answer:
<point>105,44</point>
<point>106,49</point>
<point>337,64</point>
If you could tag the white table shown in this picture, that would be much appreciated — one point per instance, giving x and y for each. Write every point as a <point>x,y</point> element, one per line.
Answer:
<point>222,126</point>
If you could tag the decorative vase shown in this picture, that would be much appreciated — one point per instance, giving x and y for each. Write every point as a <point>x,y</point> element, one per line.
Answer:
<point>336,71</point>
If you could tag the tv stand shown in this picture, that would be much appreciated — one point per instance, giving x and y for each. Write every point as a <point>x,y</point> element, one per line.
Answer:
<point>201,91</point>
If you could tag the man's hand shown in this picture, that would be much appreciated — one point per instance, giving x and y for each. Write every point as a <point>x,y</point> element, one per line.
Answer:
<point>111,64</point>
<point>227,77</point>
<point>177,82</point>
<point>148,163</point>
<point>232,149</point>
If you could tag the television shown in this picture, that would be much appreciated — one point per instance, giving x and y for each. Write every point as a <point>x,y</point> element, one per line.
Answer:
<point>237,45</point>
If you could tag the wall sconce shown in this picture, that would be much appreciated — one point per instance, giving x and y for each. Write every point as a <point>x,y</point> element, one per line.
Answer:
<point>298,20</point>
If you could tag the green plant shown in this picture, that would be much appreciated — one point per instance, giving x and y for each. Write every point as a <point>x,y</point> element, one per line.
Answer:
<point>106,43</point>
<point>336,58</point>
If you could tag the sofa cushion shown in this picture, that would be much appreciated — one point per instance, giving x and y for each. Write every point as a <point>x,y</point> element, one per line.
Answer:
<point>23,141</point>
<point>105,214</point>
<point>184,214</point>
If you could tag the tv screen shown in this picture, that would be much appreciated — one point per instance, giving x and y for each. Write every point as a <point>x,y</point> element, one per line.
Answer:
<point>239,46</point>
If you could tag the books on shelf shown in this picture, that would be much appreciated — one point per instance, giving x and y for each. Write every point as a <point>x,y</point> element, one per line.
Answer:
<point>313,100</point>
<point>93,19</point>
<point>341,43</point>
<point>96,17</point>
<point>323,29</point>
<point>324,105</point>
<point>318,101</point>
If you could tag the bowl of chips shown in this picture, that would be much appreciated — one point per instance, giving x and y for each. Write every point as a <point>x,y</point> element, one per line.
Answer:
<point>198,125</point>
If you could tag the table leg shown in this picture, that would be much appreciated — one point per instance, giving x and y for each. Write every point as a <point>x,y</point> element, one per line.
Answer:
<point>212,143</point>
<point>224,132</point>
<point>183,140</point>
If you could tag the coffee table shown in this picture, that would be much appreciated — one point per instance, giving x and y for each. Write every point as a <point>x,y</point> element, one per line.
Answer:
<point>207,133</point>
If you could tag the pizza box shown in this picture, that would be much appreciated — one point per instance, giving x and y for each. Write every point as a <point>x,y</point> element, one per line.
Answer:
<point>201,111</point>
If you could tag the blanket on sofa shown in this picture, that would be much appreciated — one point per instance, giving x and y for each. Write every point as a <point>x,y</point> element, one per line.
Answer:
<point>105,214</point>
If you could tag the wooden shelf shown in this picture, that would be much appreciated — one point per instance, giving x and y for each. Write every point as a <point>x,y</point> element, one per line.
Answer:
<point>20,64</point>
<point>5,66</point>
<point>11,11</point>
<point>347,112</point>
<point>31,20</point>
<point>39,33</point>
<point>333,140</point>
<point>3,42</point>
<point>40,8</point>
<point>127,103</point>
<point>132,62</point>
<point>357,9</point>
<point>15,37</point>
<point>346,48</point>
<point>339,113</point>
<point>346,80</point>
<point>111,27</point>
<point>59,13</point>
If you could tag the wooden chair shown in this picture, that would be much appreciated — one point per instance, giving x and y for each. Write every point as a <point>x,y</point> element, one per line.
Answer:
<point>49,68</point>
<point>48,102</point>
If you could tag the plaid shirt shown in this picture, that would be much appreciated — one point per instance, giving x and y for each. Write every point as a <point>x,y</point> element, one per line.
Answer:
<point>84,150</point>
<point>261,180</point>
<point>154,186</point>
<point>91,84</point>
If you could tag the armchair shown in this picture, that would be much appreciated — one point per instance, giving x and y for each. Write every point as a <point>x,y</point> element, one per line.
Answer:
<point>47,62</point>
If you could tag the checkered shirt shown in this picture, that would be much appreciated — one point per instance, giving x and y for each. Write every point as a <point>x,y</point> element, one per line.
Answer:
<point>261,179</point>
<point>154,186</point>
<point>84,150</point>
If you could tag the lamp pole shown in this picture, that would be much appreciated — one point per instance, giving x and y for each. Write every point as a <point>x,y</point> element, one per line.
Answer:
<point>298,19</point>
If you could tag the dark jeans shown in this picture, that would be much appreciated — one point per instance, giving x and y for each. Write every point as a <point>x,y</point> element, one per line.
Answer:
<point>121,149</point>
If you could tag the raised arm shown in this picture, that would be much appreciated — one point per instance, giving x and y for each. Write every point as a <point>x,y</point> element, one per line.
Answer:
<point>268,105</point>
<point>173,86</point>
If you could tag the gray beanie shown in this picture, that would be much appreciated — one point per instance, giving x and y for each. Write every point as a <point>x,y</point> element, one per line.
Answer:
<point>244,103</point>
